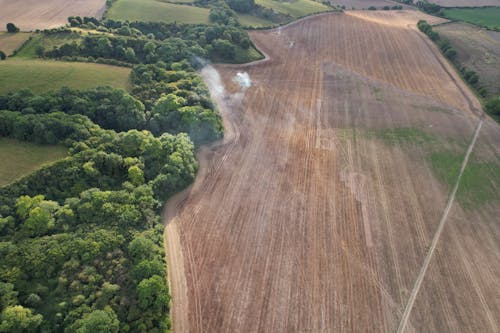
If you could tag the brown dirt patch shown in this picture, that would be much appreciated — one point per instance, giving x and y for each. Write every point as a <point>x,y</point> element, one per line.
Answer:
<point>34,14</point>
<point>11,42</point>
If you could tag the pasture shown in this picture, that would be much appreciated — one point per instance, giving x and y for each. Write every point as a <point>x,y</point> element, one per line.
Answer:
<point>488,17</point>
<point>296,8</point>
<point>330,189</point>
<point>29,15</point>
<point>466,3</point>
<point>253,21</point>
<point>44,75</point>
<point>21,158</point>
<point>11,42</point>
<point>157,11</point>
<point>477,49</point>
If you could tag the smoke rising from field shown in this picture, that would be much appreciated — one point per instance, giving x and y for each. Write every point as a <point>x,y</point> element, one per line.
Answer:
<point>212,78</point>
<point>243,79</point>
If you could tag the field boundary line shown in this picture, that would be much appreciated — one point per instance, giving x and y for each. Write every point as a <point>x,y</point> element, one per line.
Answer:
<point>442,222</point>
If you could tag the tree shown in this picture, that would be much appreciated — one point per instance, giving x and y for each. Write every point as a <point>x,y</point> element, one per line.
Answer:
<point>492,106</point>
<point>3,56</point>
<point>153,294</point>
<point>99,321</point>
<point>18,319</point>
<point>12,28</point>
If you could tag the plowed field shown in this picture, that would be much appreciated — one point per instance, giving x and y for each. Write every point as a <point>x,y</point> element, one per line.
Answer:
<point>317,211</point>
<point>35,14</point>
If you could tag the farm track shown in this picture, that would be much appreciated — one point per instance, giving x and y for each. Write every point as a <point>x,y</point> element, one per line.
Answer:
<point>301,222</point>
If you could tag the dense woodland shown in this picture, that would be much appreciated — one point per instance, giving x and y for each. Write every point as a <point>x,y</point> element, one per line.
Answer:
<point>81,240</point>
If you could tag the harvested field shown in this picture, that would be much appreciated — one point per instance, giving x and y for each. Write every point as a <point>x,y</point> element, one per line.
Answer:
<point>11,42</point>
<point>316,212</point>
<point>466,3</point>
<point>365,4</point>
<point>477,49</point>
<point>34,14</point>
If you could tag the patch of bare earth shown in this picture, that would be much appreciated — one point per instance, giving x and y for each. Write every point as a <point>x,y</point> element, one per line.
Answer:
<point>302,221</point>
<point>35,14</point>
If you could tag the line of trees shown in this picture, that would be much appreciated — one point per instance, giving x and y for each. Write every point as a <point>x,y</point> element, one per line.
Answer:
<point>492,104</point>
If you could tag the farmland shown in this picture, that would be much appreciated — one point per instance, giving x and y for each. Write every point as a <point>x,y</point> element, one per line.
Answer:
<point>11,42</point>
<point>44,75</point>
<point>363,4</point>
<point>21,158</point>
<point>477,49</point>
<point>466,3</point>
<point>318,209</point>
<point>485,17</point>
<point>157,11</point>
<point>33,14</point>
<point>296,8</point>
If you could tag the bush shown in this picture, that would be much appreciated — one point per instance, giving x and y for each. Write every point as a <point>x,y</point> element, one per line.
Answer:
<point>11,27</point>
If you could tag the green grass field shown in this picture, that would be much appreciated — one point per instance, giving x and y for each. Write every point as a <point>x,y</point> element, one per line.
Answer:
<point>21,158</point>
<point>296,8</point>
<point>44,75</point>
<point>488,17</point>
<point>157,11</point>
<point>479,181</point>
<point>48,42</point>
<point>11,42</point>
<point>255,22</point>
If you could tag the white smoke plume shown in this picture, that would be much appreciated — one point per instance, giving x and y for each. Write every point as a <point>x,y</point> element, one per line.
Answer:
<point>243,79</point>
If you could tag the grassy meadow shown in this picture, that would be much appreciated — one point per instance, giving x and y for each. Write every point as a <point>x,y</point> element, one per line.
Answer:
<point>44,75</point>
<point>488,17</point>
<point>157,11</point>
<point>21,158</point>
<point>294,8</point>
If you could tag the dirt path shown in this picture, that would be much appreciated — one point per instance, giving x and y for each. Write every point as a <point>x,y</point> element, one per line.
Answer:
<point>437,235</point>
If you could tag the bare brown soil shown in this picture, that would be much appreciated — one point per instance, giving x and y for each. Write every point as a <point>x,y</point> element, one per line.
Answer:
<point>477,49</point>
<point>302,221</point>
<point>365,4</point>
<point>11,42</point>
<point>35,14</point>
<point>466,3</point>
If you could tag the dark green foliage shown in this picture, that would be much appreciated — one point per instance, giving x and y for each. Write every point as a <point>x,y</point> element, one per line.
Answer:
<point>3,56</point>
<point>11,27</point>
<point>242,6</point>
<point>428,7</point>
<point>108,107</point>
<point>492,106</point>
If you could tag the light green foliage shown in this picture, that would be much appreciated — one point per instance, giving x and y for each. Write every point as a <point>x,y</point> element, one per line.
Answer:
<point>135,175</point>
<point>294,8</point>
<point>401,135</point>
<point>41,75</point>
<point>153,293</point>
<point>99,321</point>
<point>157,11</point>
<point>18,319</point>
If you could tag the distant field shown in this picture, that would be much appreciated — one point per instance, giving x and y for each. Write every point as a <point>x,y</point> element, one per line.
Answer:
<point>486,17</point>
<point>252,21</point>
<point>21,158</point>
<point>157,11</point>
<point>466,3</point>
<point>477,49</point>
<point>48,42</point>
<point>35,14</point>
<point>294,8</point>
<point>41,75</point>
<point>364,4</point>
<point>11,42</point>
